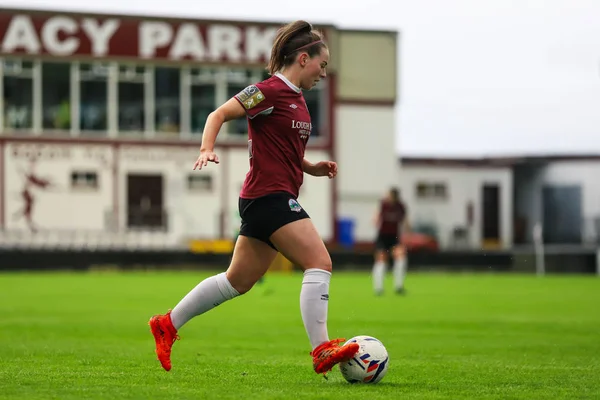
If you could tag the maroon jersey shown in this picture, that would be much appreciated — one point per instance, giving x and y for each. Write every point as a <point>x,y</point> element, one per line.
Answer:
<point>279,126</point>
<point>391,216</point>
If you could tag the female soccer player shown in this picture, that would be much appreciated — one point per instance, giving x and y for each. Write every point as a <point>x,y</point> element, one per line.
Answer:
<point>390,219</point>
<point>279,126</point>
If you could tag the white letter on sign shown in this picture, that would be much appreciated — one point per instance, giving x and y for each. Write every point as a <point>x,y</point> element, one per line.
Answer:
<point>258,44</point>
<point>188,42</point>
<point>152,36</point>
<point>225,40</point>
<point>100,34</point>
<point>21,34</point>
<point>50,36</point>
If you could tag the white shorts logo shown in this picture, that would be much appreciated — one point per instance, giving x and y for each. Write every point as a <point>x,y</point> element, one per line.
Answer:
<point>294,206</point>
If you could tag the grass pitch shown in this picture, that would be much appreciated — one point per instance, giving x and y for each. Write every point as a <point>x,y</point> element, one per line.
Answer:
<point>85,336</point>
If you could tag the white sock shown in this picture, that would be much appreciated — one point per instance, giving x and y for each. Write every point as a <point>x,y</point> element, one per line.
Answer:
<point>208,294</point>
<point>314,301</point>
<point>378,276</point>
<point>399,272</point>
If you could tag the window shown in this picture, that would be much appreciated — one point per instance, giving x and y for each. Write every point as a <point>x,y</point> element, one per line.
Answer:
<point>431,190</point>
<point>238,80</point>
<point>56,96</point>
<point>84,180</point>
<point>200,183</point>
<point>167,105</point>
<point>18,94</point>
<point>203,94</point>
<point>93,86</point>
<point>439,190</point>
<point>131,98</point>
<point>128,98</point>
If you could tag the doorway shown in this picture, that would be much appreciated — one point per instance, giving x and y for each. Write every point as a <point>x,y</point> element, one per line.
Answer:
<point>490,223</point>
<point>145,207</point>
<point>562,210</point>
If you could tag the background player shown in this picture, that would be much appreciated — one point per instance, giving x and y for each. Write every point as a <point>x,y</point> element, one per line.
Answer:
<point>390,221</point>
<point>273,220</point>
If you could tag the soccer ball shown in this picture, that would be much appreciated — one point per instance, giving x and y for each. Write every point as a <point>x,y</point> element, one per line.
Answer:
<point>369,365</point>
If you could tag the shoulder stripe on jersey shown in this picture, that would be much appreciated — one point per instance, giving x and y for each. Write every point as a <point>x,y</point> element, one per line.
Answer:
<point>264,112</point>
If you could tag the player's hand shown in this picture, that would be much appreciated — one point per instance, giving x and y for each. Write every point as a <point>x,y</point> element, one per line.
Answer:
<point>326,168</point>
<point>205,157</point>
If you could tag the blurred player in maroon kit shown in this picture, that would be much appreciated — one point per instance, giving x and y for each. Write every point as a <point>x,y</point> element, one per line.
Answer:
<point>279,126</point>
<point>390,220</point>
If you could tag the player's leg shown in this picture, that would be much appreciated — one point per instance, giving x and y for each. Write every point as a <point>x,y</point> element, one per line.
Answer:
<point>379,267</point>
<point>251,259</point>
<point>262,278</point>
<point>300,243</point>
<point>399,268</point>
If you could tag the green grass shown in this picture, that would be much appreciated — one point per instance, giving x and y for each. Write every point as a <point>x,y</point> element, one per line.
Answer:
<point>85,336</point>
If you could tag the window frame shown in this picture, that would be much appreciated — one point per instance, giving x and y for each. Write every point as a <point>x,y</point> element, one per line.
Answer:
<point>84,188</point>
<point>35,116</point>
<point>77,131</point>
<point>434,190</point>
<point>116,75</point>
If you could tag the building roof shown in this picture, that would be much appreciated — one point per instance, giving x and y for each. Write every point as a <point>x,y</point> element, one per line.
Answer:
<point>497,161</point>
<point>174,17</point>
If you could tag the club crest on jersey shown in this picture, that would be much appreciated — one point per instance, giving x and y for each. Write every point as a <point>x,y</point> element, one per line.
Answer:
<point>294,206</point>
<point>250,96</point>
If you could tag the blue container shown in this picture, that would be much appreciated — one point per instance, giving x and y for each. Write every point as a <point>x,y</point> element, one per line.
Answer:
<point>346,232</point>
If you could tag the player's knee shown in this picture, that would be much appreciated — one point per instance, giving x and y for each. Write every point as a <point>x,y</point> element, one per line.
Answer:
<point>399,252</point>
<point>241,284</point>
<point>380,256</point>
<point>321,261</point>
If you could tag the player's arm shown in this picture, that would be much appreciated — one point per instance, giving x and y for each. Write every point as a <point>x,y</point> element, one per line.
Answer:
<point>230,110</point>
<point>406,225</point>
<point>308,167</point>
<point>377,218</point>
<point>322,168</point>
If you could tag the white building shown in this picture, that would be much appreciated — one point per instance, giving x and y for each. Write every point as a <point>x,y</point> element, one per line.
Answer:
<point>563,195</point>
<point>467,202</point>
<point>102,117</point>
<point>492,203</point>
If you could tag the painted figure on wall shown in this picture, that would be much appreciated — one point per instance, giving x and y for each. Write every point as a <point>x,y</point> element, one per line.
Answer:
<point>31,181</point>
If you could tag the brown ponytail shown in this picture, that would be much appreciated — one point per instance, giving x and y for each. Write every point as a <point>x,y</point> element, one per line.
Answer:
<point>290,39</point>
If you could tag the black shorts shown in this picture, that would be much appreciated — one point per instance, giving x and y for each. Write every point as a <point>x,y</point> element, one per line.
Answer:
<point>261,217</point>
<point>386,242</point>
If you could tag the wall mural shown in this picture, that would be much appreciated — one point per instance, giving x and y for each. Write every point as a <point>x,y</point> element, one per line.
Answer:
<point>32,185</point>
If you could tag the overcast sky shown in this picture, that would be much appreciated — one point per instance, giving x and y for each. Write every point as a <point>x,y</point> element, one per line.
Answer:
<point>478,77</point>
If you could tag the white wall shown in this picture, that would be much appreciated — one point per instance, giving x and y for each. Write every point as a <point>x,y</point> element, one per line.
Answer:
<point>58,206</point>
<point>367,162</point>
<point>464,186</point>
<point>190,214</point>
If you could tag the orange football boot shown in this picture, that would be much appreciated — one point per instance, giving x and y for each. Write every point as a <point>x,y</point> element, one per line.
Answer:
<point>328,354</point>
<point>165,335</point>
